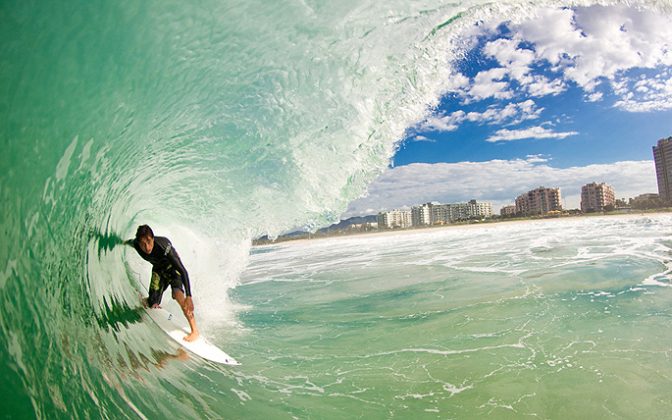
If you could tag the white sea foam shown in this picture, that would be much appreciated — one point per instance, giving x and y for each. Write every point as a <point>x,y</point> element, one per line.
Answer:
<point>501,249</point>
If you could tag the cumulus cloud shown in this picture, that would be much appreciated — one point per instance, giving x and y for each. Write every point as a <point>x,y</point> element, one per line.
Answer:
<point>422,138</point>
<point>516,64</point>
<point>594,97</point>
<point>457,83</point>
<point>536,158</point>
<point>510,114</point>
<point>450,122</point>
<point>538,86</point>
<point>599,44</point>
<point>490,84</point>
<point>588,46</point>
<point>497,181</point>
<point>642,94</point>
<point>515,60</point>
<point>536,132</point>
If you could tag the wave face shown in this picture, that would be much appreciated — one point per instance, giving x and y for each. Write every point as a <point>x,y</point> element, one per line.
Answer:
<point>214,123</point>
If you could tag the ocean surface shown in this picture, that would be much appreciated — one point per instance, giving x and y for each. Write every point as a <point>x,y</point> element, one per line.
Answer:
<point>218,122</point>
<point>546,319</point>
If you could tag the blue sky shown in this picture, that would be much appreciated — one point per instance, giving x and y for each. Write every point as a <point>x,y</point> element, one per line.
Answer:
<point>570,97</point>
<point>603,134</point>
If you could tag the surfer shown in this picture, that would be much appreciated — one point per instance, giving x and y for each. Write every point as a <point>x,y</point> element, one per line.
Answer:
<point>167,269</point>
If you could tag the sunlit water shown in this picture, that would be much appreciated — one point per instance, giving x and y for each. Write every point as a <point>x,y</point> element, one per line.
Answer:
<point>552,319</point>
<point>218,122</point>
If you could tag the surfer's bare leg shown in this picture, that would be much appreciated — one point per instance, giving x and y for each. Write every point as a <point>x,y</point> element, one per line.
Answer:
<point>188,309</point>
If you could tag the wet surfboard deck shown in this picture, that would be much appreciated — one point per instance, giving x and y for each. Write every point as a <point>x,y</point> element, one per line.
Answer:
<point>200,347</point>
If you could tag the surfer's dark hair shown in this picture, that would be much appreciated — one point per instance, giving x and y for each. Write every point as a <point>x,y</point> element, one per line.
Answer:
<point>144,230</point>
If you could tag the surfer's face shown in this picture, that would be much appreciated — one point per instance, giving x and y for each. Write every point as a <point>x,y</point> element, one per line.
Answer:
<point>147,244</point>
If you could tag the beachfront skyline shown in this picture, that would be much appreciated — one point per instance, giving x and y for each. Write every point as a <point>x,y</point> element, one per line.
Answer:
<point>572,97</point>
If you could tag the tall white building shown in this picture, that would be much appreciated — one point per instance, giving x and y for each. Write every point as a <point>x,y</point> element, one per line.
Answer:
<point>394,219</point>
<point>449,213</point>
<point>422,215</point>
<point>434,213</point>
<point>441,213</point>
<point>479,209</point>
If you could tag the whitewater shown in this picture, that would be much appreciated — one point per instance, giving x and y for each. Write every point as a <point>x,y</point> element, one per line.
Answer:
<point>220,122</point>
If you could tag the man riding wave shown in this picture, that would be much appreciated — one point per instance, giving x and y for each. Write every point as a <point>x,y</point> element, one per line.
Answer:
<point>167,269</point>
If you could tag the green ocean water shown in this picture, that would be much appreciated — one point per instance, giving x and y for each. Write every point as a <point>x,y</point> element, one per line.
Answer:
<point>217,122</point>
<point>543,319</point>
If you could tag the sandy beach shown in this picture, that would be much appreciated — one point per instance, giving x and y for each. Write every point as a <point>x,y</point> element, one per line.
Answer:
<point>457,227</point>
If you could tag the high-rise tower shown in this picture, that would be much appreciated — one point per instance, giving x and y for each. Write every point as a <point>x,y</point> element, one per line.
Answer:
<point>662,154</point>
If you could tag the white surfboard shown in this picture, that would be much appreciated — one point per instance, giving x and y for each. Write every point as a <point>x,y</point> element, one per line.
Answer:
<point>200,347</point>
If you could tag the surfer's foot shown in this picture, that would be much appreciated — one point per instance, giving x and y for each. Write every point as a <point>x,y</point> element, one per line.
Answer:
<point>193,336</point>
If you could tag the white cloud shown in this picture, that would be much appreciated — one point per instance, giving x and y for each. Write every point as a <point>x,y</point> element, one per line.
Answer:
<point>511,114</point>
<point>515,60</point>
<point>645,94</point>
<point>536,158</point>
<point>497,181</point>
<point>543,86</point>
<point>594,97</point>
<point>490,84</point>
<point>550,32</point>
<point>423,138</point>
<point>601,44</point>
<point>589,46</point>
<point>537,132</point>
<point>457,83</point>
<point>449,122</point>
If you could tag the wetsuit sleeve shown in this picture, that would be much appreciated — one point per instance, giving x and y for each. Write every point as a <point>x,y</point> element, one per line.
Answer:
<point>177,263</point>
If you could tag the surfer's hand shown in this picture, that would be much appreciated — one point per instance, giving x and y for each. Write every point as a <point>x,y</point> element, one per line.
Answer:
<point>156,306</point>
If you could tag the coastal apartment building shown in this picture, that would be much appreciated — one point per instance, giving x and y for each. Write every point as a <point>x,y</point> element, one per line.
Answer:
<point>435,213</point>
<point>538,201</point>
<point>646,196</point>
<point>441,214</point>
<point>645,200</point>
<point>507,211</point>
<point>662,155</point>
<point>595,197</point>
<point>422,215</point>
<point>394,219</point>
<point>479,208</point>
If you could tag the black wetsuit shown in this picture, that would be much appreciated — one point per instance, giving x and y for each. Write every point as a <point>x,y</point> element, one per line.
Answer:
<point>167,268</point>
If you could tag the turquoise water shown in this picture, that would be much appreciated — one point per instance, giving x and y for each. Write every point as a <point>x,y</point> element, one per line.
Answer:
<point>540,319</point>
<point>219,122</point>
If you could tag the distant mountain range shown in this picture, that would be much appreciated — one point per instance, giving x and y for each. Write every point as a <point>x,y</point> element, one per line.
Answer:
<point>342,225</point>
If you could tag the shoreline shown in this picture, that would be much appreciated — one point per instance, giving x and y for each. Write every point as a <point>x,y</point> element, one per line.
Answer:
<point>473,225</point>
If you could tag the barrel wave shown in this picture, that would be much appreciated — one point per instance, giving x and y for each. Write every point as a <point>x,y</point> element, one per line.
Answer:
<point>213,122</point>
